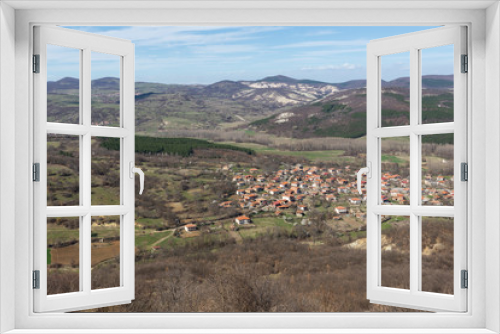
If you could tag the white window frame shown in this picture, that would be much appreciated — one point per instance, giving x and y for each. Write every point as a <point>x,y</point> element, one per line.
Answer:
<point>413,43</point>
<point>484,102</point>
<point>86,44</point>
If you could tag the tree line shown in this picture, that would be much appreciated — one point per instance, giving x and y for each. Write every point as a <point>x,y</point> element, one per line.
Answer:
<point>172,146</point>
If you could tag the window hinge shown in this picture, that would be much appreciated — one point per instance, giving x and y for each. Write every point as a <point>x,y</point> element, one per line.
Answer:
<point>465,279</point>
<point>465,64</point>
<point>36,172</point>
<point>36,279</point>
<point>36,63</point>
<point>464,171</point>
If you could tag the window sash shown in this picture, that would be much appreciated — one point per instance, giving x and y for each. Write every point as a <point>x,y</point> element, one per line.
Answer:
<point>414,298</point>
<point>86,297</point>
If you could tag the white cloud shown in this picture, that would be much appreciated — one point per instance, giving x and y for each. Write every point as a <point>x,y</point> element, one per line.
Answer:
<point>354,42</point>
<point>225,48</point>
<point>186,35</point>
<point>344,66</point>
<point>322,33</point>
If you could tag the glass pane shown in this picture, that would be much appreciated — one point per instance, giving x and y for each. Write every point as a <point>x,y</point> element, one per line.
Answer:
<point>105,89</point>
<point>437,170</point>
<point>63,165</point>
<point>105,171</point>
<point>105,252</point>
<point>395,99</point>
<point>63,255</point>
<point>395,170</point>
<point>437,84</point>
<point>437,254</point>
<point>395,241</point>
<point>63,84</point>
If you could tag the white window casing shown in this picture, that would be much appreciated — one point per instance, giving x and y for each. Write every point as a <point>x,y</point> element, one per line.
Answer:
<point>483,308</point>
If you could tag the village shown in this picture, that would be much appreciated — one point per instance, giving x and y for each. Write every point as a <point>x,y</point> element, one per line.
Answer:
<point>292,191</point>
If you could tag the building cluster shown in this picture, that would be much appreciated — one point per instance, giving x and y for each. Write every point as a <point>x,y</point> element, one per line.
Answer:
<point>436,190</point>
<point>290,190</point>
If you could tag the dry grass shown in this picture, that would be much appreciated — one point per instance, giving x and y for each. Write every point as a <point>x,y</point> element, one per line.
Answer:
<point>70,255</point>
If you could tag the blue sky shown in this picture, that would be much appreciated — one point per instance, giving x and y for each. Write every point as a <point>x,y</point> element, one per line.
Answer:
<point>207,54</point>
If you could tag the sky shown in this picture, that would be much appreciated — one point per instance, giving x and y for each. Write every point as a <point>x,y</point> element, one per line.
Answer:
<point>207,54</point>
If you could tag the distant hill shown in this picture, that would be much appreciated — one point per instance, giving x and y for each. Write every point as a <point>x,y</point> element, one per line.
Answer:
<point>428,81</point>
<point>227,104</point>
<point>285,79</point>
<point>63,84</point>
<point>343,114</point>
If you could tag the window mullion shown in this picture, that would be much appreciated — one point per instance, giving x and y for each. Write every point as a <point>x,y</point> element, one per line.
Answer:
<point>85,245</point>
<point>415,169</point>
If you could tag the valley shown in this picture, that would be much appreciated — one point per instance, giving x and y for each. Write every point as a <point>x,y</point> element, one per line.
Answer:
<point>250,201</point>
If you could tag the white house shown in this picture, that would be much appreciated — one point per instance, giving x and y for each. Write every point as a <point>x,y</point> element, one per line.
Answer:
<point>241,220</point>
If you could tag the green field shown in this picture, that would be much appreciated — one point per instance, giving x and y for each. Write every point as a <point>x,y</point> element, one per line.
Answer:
<point>149,238</point>
<point>313,156</point>
<point>392,158</point>
<point>261,226</point>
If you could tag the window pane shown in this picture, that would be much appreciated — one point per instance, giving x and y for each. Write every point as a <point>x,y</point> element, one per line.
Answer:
<point>437,84</point>
<point>395,241</point>
<point>395,99</point>
<point>105,89</point>
<point>105,171</point>
<point>63,255</point>
<point>63,84</point>
<point>395,170</point>
<point>105,252</point>
<point>437,254</point>
<point>63,165</point>
<point>437,170</point>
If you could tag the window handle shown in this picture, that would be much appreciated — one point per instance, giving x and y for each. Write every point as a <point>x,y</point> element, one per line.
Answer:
<point>134,170</point>
<point>364,170</point>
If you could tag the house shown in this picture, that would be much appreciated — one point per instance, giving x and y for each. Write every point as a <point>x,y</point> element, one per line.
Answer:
<point>190,227</point>
<point>241,220</point>
<point>331,198</point>
<point>275,191</point>
<point>341,209</point>
<point>258,188</point>
<point>343,190</point>
<point>361,215</point>
<point>249,178</point>
<point>355,201</point>
<point>250,197</point>
<point>262,201</point>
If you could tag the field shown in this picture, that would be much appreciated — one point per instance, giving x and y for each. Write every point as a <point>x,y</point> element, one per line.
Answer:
<point>313,156</point>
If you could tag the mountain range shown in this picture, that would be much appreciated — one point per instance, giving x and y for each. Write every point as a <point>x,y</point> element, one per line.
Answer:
<point>277,104</point>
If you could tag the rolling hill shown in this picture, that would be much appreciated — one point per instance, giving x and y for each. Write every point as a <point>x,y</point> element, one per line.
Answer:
<point>343,114</point>
<point>279,105</point>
